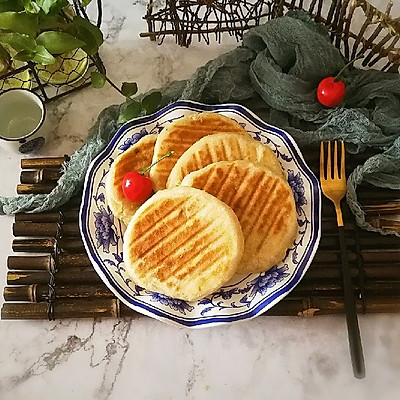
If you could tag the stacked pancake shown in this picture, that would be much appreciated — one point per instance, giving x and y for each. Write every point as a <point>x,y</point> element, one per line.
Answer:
<point>227,208</point>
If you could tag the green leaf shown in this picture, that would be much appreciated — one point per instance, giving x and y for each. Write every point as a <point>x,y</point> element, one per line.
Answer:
<point>151,102</point>
<point>85,3</point>
<point>4,53</point>
<point>51,22</point>
<point>129,88</point>
<point>51,5</point>
<point>98,80</point>
<point>30,6</point>
<point>129,111</point>
<point>87,32</point>
<point>19,22</point>
<point>18,41</point>
<point>10,5</point>
<point>40,56</point>
<point>59,42</point>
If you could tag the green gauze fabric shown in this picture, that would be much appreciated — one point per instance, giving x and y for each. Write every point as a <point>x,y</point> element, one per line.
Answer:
<point>275,73</point>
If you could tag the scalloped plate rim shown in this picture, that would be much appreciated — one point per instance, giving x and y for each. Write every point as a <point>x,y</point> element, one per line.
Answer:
<point>195,322</point>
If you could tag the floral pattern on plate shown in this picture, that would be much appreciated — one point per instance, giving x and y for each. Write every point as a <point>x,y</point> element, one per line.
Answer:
<point>243,297</point>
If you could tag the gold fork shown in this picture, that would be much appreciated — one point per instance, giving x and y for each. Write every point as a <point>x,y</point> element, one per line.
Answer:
<point>333,186</point>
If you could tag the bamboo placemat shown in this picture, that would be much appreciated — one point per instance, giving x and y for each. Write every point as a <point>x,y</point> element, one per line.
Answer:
<point>53,278</point>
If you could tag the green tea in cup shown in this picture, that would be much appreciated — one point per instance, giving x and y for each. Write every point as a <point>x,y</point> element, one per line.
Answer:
<point>22,117</point>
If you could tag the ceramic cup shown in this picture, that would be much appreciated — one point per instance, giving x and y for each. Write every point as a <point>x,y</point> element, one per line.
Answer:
<point>22,121</point>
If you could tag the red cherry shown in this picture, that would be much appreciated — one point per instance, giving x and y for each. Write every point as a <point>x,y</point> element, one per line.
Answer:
<point>136,187</point>
<point>331,92</point>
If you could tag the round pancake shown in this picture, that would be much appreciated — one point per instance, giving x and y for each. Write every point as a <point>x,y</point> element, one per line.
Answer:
<point>136,158</point>
<point>181,134</point>
<point>263,203</point>
<point>183,243</point>
<point>222,147</point>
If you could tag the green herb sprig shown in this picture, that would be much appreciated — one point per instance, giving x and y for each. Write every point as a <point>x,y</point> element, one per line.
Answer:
<point>131,108</point>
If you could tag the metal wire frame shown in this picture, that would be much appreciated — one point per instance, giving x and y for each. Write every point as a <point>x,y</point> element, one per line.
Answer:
<point>44,83</point>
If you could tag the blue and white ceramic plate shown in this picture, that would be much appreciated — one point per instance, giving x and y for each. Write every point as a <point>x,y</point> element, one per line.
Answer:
<point>244,297</point>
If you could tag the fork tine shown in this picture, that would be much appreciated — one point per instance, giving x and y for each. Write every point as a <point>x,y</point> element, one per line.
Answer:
<point>329,163</point>
<point>335,162</point>
<point>321,162</point>
<point>342,162</point>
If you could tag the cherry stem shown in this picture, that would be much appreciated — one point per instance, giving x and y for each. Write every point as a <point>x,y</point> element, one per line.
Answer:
<point>143,171</point>
<point>343,69</point>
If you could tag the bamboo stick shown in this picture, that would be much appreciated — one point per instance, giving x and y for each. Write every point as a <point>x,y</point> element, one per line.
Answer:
<point>30,262</point>
<point>47,263</point>
<point>85,274</point>
<point>46,162</point>
<point>40,175</point>
<point>49,245</point>
<point>96,308</point>
<point>68,276</point>
<point>39,292</point>
<point>69,260</point>
<point>310,288</point>
<point>46,229</point>
<point>34,245</point>
<point>383,272</point>
<point>382,209</point>
<point>35,188</point>
<point>51,216</point>
<point>327,306</point>
<point>67,309</point>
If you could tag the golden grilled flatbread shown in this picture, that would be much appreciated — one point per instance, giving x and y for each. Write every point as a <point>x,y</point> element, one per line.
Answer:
<point>263,203</point>
<point>181,134</point>
<point>222,147</point>
<point>136,158</point>
<point>183,243</point>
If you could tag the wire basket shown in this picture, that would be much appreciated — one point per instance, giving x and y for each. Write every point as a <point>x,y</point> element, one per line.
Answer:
<point>70,73</point>
<point>356,27</point>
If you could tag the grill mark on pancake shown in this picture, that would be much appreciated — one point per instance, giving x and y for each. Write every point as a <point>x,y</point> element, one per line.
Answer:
<point>163,168</point>
<point>269,212</point>
<point>179,268</point>
<point>179,141</point>
<point>256,216</point>
<point>203,185</point>
<point>277,222</point>
<point>241,155</point>
<point>128,161</point>
<point>208,156</point>
<point>280,219</point>
<point>285,212</point>
<point>235,145</point>
<point>223,182</point>
<point>194,165</point>
<point>194,161</point>
<point>174,227</point>
<point>161,269</point>
<point>242,205</point>
<point>172,231</point>
<point>202,265</point>
<point>191,257</point>
<point>224,155</point>
<point>167,213</point>
<point>234,175</point>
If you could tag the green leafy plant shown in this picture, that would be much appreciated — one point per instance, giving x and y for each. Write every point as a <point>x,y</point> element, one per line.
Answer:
<point>39,30</point>
<point>131,108</point>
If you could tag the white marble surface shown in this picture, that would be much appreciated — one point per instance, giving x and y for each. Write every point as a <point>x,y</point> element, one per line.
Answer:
<point>266,358</point>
